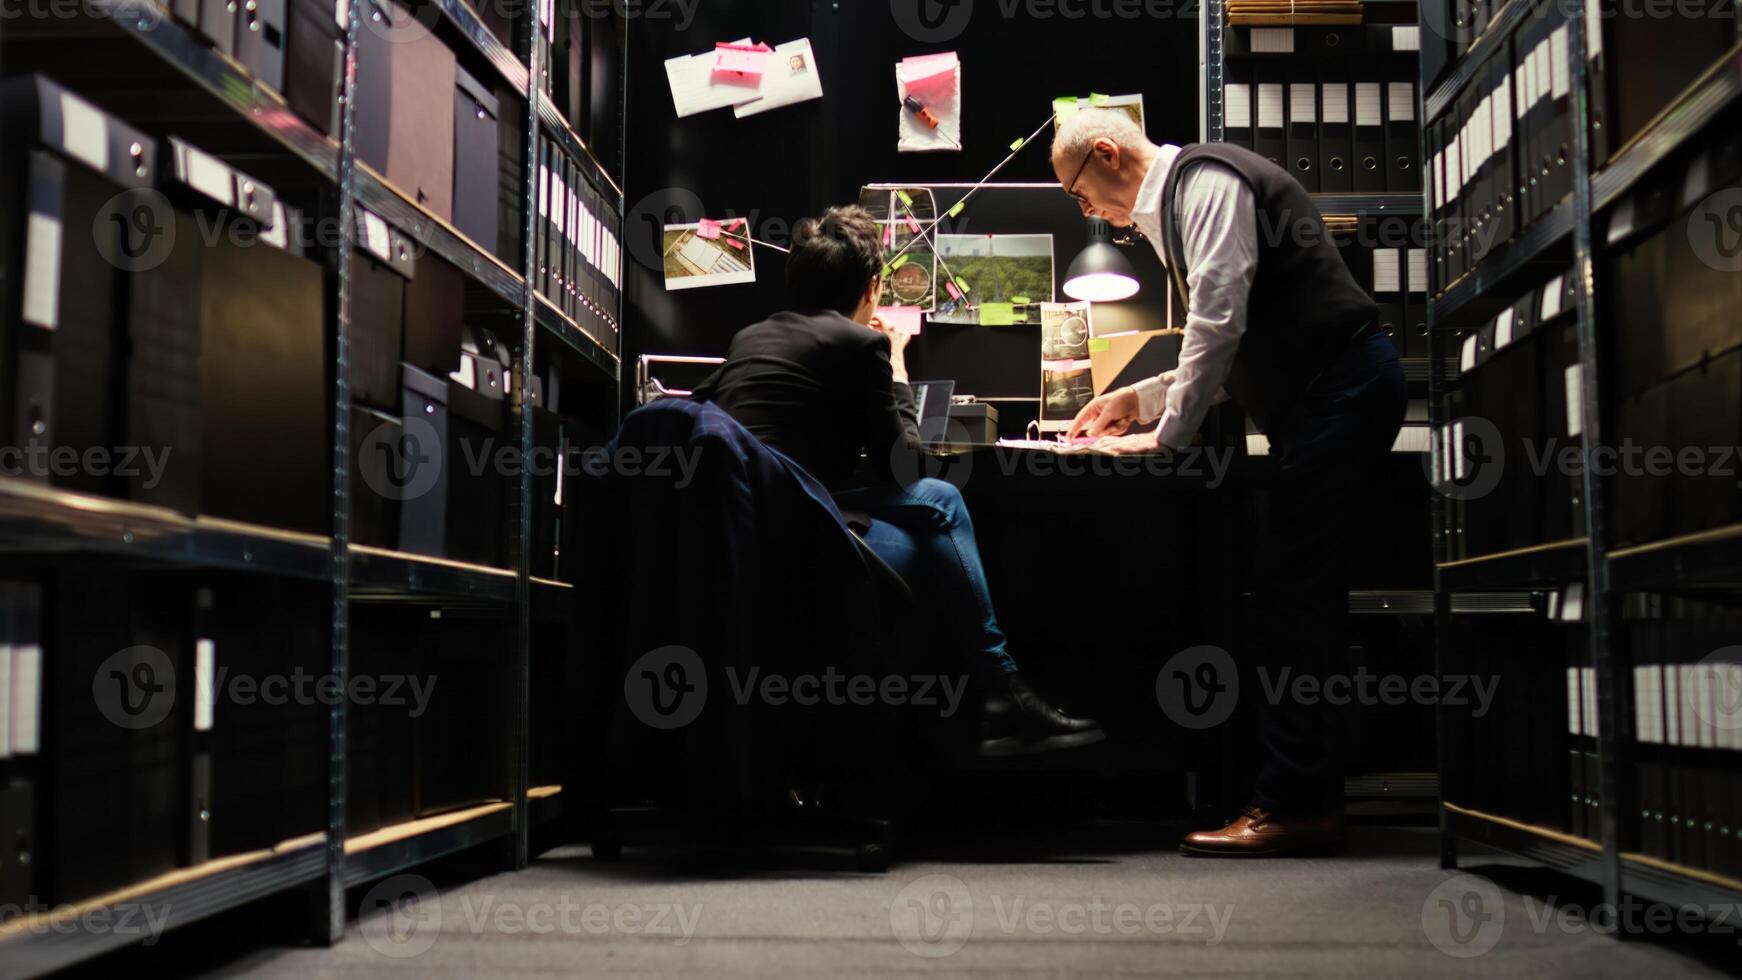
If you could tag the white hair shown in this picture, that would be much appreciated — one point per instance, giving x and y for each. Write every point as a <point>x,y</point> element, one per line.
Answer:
<point>1082,129</point>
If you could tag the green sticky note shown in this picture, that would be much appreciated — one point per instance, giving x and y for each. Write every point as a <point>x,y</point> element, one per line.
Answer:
<point>888,271</point>
<point>1099,345</point>
<point>962,284</point>
<point>960,206</point>
<point>997,314</point>
<point>1020,300</point>
<point>1064,100</point>
<point>904,198</point>
<point>898,263</point>
<point>1097,99</point>
<point>1017,145</point>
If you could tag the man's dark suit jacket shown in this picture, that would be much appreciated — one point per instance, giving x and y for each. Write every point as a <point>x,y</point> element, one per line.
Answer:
<point>819,388</point>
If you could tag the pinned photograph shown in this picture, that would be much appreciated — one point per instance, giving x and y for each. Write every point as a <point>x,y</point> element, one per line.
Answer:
<point>909,206</point>
<point>993,270</point>
<point>1066,379</point>
<point>1068,106</point>
<point>910,278</point>
<point>700,255</point>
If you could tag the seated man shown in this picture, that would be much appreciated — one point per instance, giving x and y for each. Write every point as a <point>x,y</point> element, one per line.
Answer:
<point>824,383</point>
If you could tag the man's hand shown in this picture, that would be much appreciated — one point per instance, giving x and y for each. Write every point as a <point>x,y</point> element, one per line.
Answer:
<point>1142,444</point>
<point>897,348</point>
<point>1109,415</point>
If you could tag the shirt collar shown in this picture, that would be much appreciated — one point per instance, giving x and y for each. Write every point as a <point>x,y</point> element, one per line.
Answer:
<point>1147,212</point>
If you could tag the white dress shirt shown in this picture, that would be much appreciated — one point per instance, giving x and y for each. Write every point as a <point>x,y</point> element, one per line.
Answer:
<point>1218,227</point>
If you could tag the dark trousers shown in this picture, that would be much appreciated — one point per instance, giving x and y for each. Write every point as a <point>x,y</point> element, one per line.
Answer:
<point>1328,451</point>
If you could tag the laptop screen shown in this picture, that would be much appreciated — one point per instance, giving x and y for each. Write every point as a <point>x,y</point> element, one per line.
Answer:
<point>932,398</point>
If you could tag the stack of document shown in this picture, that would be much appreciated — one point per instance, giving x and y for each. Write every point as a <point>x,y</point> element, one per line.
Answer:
<point>749,76</point>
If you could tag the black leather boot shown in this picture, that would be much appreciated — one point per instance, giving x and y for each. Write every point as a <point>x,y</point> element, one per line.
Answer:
<point>1014,720</point>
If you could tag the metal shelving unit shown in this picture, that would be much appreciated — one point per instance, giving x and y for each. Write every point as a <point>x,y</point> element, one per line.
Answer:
<point>1713,558</point>
<point>43,522</point>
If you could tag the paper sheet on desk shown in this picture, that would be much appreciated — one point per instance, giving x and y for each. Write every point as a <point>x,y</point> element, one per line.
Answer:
<point>1054,447</point>
<point>792,78</point>
<point>694,88</point>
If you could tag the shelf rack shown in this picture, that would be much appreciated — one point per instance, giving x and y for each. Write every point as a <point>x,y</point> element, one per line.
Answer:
<point>1710,559</point>
<point>43,522</point>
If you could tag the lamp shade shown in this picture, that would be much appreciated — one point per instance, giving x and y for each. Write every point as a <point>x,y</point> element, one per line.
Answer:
<point>1100,274</point>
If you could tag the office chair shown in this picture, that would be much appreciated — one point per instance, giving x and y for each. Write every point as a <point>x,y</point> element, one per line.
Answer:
<point>707,582</point>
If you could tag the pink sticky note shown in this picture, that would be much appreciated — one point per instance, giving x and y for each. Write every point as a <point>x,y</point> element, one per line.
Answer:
<point>914,224</point>
<point>740,64</point>
<point>888,236</point>
<point>735,243</point>
<point>926,71</point>
<point>954,292</point>
<point>731,223</point>
<point>709,230</point>
<point>902,319</point>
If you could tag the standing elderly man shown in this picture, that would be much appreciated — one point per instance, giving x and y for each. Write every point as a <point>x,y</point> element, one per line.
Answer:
<point>1275,322</point>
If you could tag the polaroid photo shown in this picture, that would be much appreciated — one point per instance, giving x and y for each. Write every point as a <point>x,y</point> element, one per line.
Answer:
<point>1066,376</point>
<point>913,274</point>
<point>1131,105</point>
<point>694,261</point>
<point>895,202</point>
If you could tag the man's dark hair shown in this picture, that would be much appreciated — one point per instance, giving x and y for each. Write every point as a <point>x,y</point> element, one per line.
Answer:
<point>834,259</point>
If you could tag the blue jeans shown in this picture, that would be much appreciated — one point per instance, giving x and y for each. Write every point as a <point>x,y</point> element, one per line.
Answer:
<point>925,534</point>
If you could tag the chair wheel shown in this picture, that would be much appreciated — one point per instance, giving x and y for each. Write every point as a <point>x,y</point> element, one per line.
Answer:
<point>607,850</point>
<point>872,858</point>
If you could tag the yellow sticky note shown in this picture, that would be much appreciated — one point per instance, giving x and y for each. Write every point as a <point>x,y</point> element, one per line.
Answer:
<point>963,283</point>
<point>1016,145</point>
<point>1020,300</point>
<point>888,271</point>
<point>1099,345</point>
<point>997,314</point>
<point>1097,99</point>
<point>904,198</point>
<point>898,263</point>
<point>960,206</point>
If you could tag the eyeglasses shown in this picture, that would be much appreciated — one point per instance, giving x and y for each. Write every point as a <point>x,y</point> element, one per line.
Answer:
<point>1072,189</point>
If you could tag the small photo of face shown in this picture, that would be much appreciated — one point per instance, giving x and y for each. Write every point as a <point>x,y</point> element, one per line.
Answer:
<point>797,63</point>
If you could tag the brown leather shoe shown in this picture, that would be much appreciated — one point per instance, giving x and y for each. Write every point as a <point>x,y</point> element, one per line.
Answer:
<point>1259,833</point>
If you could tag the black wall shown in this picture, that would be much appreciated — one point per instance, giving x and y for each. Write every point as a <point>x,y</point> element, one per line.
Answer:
<point>791,163</point>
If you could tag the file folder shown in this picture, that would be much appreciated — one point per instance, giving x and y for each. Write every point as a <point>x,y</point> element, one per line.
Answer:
<point>1303,126</point>
<point>1270,137</point>
<point>1416,343</point>
<point>1336,132</point>
<point>1370,153</point>
<point>1238,104</point>
<point>1388,275</point>
<point>1402,135</point>
<point>477,160</point>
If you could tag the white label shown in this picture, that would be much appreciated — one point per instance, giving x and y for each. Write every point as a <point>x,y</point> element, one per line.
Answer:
<point>1239,106</point>
<point>5,694</point>
<point>1467,353</point>
<point>1303,103</point>
<point>26,698</point>
<point>1270,107</point>
<point>1437,181</point>
<point>1621,220</point>
<point>543,191</point>
<point>207,175</point>
<point>1698,181</point>
<point>1503,115</point>
<point>1573,605</point>
<point>84,132</point>
<point>1406,39</point>
<point>278,235</point>
<point>1503,329</point>
<point>1336,103</point>
<point>1369,104</point>
<point>1648,693</point>
<point>1573,700</point>
<point>1521,91</point>
<point>558,195</point>
<point>1594,28</point>
<point>376,237</point>
<point>1386,276</point>
<point>1690,734</point>
<point>1575,398</point>
<point>342,13</point>
<point>42,270</point>
<point>205,669</point>
<point>1458,461</point>
<point>1560,67</point>
<point>1401,104</point>
<point>1672,707</point>
<point>1551,300</point>
<point>1704,677</point>
<point>1418,270</point>
<point>1455,168</point>
<point>1593,726</point>
<point>1483,130</point>
<point>1544,74</point>
<point>1272,40</point>
<point>1436,449</point>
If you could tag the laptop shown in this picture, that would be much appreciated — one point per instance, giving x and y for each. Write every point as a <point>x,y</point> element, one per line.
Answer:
<point>932,398</point>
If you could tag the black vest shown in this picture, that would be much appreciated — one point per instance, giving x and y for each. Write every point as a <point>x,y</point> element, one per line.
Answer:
<point>1304,306</point>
